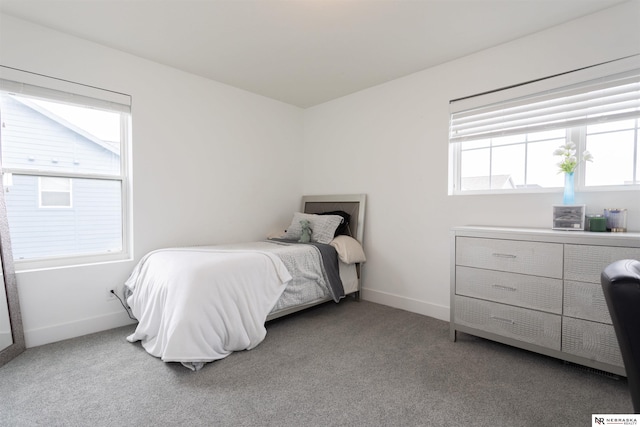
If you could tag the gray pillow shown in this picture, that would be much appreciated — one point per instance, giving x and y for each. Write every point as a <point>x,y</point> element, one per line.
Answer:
<point>323,227</point>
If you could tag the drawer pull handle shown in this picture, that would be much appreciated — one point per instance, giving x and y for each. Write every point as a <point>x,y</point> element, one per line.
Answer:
<point>502,319</point>
<point>499,255</point>
<point>504,288</point>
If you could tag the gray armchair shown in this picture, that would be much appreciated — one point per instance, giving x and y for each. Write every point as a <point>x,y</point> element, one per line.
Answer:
<point>621,287</point>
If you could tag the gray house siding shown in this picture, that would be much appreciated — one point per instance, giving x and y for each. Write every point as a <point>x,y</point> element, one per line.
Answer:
<point>49,145</point>
<point>92,224</point>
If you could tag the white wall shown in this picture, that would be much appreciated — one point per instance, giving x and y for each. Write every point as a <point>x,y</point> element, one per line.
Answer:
<point>390,142</point>
<point>212,164</point>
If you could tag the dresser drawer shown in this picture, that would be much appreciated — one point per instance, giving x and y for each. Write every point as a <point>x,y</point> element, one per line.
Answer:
<point>584,263</point>
<point>536,258</point>
<point>531,326</point>
<point>540,293</point>
<point>585,301</point>
<point>594,341</point>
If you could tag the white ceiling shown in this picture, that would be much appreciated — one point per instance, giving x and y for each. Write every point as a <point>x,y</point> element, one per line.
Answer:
<point>302,52</point>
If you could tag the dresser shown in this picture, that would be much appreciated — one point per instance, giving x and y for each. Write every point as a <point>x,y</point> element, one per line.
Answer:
<point>539,290</point>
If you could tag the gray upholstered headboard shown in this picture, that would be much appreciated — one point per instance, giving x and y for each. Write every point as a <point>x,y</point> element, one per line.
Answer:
<point>353,204</point>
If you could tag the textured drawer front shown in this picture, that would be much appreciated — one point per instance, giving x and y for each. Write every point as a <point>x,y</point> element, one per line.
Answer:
<point>540,293</point>
<point>534,327</point>
<point>592,340</point>
<point>539,259</point>
<point>585,263</point>
<point>585,301</point>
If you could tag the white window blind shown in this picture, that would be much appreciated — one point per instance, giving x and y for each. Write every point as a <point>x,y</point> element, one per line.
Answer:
<point>557,102</point>
<point>36,85</point>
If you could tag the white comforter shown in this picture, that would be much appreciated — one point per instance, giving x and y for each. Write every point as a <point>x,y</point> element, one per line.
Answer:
<point>216,307</point>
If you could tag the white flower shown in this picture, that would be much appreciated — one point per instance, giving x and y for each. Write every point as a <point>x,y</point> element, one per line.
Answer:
<point>569,161</point>
<point>587,156</point>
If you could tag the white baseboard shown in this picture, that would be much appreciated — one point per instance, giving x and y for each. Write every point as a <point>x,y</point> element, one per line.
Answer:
<point>415,306</point>
<point>37,337</point>
<point>50,334</point>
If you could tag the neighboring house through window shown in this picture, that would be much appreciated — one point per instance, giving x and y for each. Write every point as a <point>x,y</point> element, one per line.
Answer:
<point>64,148</point>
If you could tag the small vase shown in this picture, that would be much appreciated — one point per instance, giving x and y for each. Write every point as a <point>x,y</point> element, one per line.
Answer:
<point>568,198</point>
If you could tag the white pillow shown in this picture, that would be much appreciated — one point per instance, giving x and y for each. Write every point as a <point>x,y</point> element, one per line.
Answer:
<point>323,227</point>
<point>349,249</point>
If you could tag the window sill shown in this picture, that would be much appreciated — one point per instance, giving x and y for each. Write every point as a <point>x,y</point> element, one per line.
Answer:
<point>555,190</point>
<point>27,266</point>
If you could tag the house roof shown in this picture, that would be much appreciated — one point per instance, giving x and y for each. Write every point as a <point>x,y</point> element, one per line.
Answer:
<point>113,147</point>
<point>486,182</point>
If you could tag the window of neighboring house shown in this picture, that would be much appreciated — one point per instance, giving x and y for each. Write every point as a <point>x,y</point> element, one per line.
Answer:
<point>504,141</point>
<point>64,158</point>
<point>55,192</point>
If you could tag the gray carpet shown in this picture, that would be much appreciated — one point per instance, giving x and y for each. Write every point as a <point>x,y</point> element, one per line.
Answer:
<point>351,364</point>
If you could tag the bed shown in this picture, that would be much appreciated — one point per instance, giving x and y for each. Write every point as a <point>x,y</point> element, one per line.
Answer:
<point>199,304</point>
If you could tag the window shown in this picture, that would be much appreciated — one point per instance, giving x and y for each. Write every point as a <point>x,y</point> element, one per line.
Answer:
<point>64,163</point>
<point>504,141</point>
<point>620,166</point>
<point>55,192</point>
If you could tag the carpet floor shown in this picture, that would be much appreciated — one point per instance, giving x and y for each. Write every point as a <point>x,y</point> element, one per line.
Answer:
<point>348,364</point>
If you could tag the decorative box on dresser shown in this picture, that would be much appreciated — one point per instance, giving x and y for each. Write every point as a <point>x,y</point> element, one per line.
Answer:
<point>538,290</point>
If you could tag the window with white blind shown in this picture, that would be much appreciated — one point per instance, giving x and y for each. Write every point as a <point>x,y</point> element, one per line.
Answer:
<point>504,141</point>
<point>64,162</point>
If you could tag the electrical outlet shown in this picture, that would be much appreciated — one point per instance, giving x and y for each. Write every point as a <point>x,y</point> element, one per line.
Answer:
<point>110,295</point>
